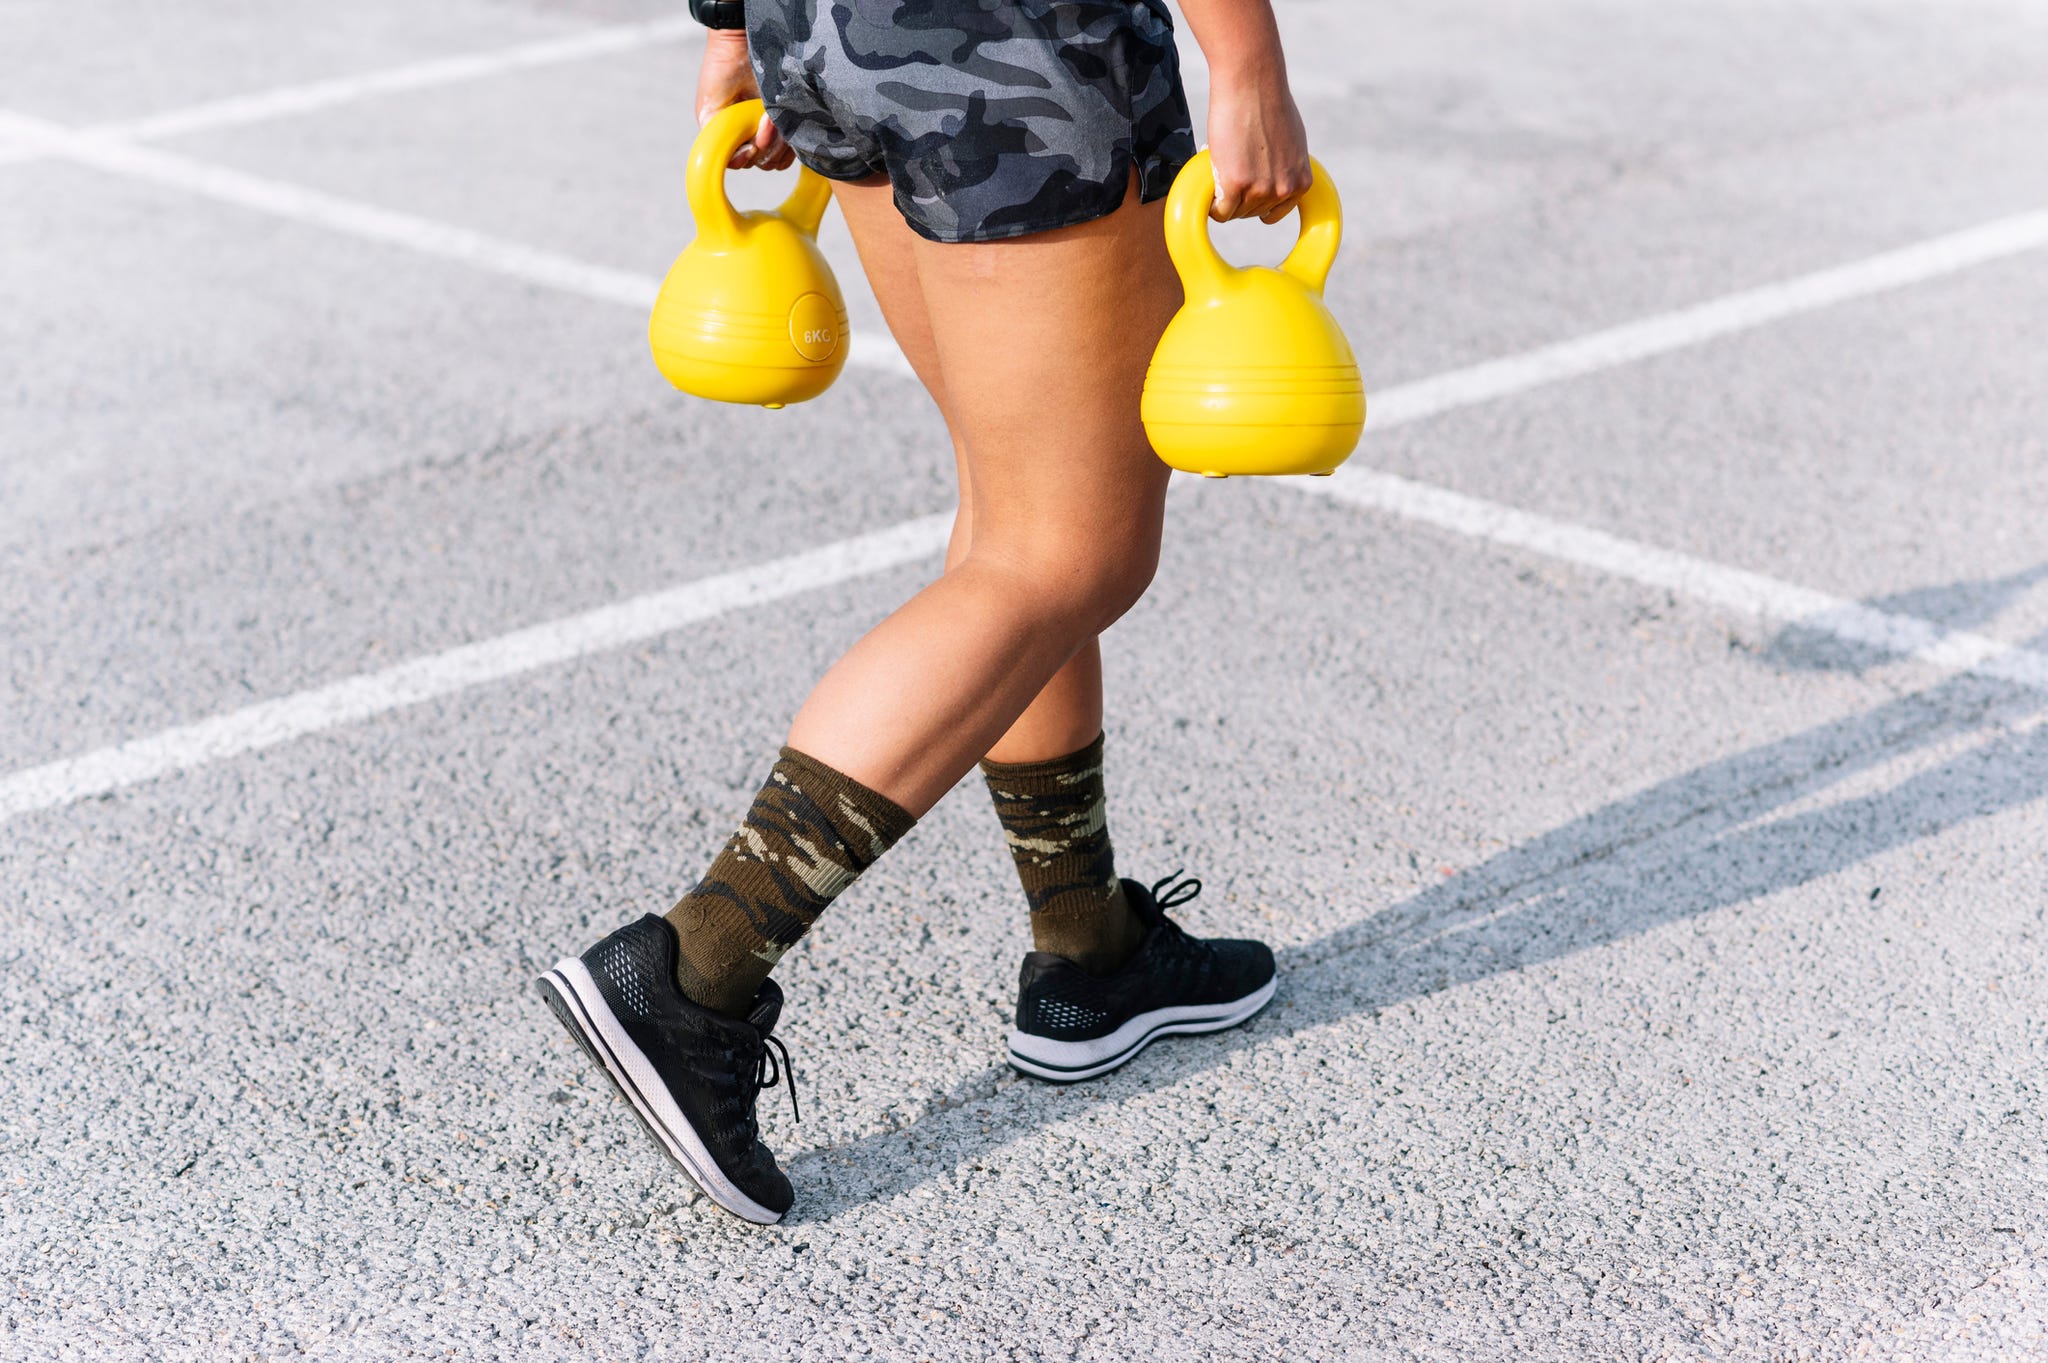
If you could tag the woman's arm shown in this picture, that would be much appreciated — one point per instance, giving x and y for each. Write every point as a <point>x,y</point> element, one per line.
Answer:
<point>1256,141</point>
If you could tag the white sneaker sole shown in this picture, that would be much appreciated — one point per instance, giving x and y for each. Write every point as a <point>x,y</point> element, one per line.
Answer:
<point>576,1000</point>
<point>1067,1061</point>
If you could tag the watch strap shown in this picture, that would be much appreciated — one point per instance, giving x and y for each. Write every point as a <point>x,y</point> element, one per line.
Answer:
<point>719,13</point>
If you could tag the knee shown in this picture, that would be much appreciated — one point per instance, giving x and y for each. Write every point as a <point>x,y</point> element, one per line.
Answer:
<point>1120,579</point>
<point>1084,582</point>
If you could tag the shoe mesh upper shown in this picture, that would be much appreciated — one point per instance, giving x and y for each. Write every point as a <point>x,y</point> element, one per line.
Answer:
<point>625,961</point>
<point>1055,1009</point>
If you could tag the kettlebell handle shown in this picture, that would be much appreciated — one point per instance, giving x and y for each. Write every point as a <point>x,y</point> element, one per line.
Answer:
<point>704,180</point>
<point>1203,270</point>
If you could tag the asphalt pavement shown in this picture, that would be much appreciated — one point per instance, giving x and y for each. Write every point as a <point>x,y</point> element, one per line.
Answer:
<point>1638,757</point>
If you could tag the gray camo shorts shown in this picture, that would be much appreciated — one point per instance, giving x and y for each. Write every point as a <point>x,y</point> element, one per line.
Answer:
<point>992,118</point>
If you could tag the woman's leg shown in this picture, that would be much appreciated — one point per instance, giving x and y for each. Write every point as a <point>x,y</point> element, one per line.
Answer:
<point>1067,712</point>
<point>1045,773</point>
<point>1035,350</point>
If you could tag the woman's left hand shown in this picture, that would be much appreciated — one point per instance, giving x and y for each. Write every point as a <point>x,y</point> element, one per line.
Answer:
<point>1257,146</point>
<point>726,78</point>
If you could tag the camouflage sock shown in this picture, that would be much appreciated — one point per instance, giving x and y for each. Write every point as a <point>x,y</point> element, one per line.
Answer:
<point>810,832</point>
<point>1054,819</point>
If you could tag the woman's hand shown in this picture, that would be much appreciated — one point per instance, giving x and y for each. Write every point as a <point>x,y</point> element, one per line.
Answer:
<point>1257,146</point>
<point>727,77</point>
<point>1256,142</point>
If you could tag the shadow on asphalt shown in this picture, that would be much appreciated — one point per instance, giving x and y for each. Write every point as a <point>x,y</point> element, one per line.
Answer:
<point>1684,847</point>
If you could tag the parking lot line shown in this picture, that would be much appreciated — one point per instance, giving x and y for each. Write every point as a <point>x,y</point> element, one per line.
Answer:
<point>268,723</point>
<point>288,100</point>
<point>1608,348</point>
<point>271,722</point>
<point>350,217</point>
<point>1701,579</point>
<point>1662,333</point>
<point>368,222</point>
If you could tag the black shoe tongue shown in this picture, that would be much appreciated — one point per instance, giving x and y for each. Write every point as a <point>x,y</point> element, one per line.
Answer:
<point>767,1007</point>
<point>1142,903</point>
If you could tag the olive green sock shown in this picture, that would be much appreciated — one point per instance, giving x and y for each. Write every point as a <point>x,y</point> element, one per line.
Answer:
<point>1054,817</point>
<point>810,832</point>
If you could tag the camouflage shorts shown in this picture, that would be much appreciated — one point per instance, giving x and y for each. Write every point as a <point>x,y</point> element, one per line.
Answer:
<point>993,118</point>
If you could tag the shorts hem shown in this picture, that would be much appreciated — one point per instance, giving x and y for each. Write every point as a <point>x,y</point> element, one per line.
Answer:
<point>831,168</point>
<point>1155,177</point>
<point>1157,172</point>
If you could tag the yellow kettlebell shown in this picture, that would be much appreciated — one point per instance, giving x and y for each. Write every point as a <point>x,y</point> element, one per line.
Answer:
<point>1253,374</point>
<point>750,311</point>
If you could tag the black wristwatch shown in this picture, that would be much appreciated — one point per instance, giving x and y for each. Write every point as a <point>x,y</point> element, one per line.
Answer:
<point>719,13</point>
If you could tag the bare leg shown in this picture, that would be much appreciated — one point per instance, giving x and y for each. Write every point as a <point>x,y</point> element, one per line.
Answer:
<point>1035,351</point>
<point>1067,713</point>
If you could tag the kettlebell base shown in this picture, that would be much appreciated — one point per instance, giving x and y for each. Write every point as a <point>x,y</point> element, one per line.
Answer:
<point>1254,419</point>
<point>749,385</point>
<point>1215,450</point>
<point>1319,473</point>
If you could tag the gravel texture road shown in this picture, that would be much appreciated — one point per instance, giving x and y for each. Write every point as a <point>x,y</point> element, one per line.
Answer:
<point>1661,978</point>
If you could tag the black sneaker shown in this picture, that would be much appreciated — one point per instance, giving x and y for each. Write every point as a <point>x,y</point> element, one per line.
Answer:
<point>689,1074</point>
<point>1073,1025</point>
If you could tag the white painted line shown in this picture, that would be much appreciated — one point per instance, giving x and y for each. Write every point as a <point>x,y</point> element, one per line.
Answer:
<point>288,100</point>
<point>1701,579</point>
<point>347,216</point>
<point>1736,312</point>
<point>367,222</point>
<point>272,722</point>
<point>1601,350</point>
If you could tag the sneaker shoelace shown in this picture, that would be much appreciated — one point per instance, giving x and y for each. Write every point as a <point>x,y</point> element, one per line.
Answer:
<point>1176,895</point>
<point>768,1072</point>
<point>1186,952</point>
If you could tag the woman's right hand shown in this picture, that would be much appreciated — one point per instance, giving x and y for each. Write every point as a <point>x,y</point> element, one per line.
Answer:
<point>726,78</point>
